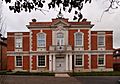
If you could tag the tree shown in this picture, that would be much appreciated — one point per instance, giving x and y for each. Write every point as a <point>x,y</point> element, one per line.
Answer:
<point>65,5</point>
<point>2,20</point>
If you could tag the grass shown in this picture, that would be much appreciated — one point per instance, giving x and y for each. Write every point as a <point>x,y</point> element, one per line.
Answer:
<point>95,73</point>
<point>27,73</point>
<point>114,73</point>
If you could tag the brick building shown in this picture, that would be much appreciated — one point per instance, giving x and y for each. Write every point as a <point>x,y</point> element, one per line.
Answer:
<point>3,53</point>
<point>60,46</point>
<point>116,59</point>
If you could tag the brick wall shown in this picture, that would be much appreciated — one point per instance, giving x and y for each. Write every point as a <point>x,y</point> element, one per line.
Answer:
<point>10,41</point>
<point>93,40</point>
<point>86,62</point>
<point>26,62</point>
<point>109,40</point>
<point>109,61</point>
<point>26,41</point>
<point>34,39</point>
<point>48,38</point>
<point>34,62</point>
<point>86,38</point>
<point>71,37</point>
<point>10,62</point>
<point>93,61</point>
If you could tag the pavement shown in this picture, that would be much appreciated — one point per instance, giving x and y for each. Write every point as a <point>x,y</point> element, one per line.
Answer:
<point>10,79</point>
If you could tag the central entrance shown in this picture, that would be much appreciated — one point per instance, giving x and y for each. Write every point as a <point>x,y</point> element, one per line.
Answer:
<point>60,64</point>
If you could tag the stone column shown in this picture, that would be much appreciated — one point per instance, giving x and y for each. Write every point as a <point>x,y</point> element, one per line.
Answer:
<point>70,62</point>
<point>66,62</point>
<point>89,62</point>
<point>53,62</point>
<point>50,63</point>
<point>30,63</point>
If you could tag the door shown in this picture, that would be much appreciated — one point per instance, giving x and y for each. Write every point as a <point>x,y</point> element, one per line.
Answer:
<point>60,64</point>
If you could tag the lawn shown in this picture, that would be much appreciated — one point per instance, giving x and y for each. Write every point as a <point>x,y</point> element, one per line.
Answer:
<point>114,73</point>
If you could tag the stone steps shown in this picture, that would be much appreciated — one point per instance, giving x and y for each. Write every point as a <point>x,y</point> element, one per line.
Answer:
<point>61,75</point>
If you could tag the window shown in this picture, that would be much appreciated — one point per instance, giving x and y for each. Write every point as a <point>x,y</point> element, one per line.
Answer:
<point>101,40</point>
<point>78,60</point>
<point>18,41</point>
<point>41,60</point>
<point>41,40</point>
<point>18,61</point>
<point>78,39</point>
<point>60,38</point>
<point>101,60</point>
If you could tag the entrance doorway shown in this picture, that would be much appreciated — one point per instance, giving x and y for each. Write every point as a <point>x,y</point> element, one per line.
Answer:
<point>60,64</point>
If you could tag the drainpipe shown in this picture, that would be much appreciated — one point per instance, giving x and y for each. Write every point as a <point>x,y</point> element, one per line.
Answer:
<point>1,56</point>
<point>1,50</point>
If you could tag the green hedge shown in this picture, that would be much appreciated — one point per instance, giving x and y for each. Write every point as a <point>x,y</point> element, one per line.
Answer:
<point>27,73</point>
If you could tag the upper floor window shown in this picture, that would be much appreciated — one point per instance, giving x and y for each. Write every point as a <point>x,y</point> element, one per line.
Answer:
<point>18,61</point>
<point>18,41</point>
<point>101,60</point>
<point>101,40</point>
<point>79,60</point>
<point>60,38</point>
<point>78,39</point>
<point>41,40</point>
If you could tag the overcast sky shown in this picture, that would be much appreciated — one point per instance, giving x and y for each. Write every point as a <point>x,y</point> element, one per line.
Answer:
<point>93,12</point>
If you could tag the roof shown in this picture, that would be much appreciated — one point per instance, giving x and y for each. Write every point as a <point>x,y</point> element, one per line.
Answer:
<point>62,20</point>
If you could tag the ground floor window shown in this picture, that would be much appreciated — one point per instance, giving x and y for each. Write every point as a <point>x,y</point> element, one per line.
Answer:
<point>78,60</point>
<point>101,59</point>
<point>18,61</point>
<point>41,60</point>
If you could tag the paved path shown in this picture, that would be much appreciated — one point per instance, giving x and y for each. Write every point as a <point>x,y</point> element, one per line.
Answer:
<point>58,80</point>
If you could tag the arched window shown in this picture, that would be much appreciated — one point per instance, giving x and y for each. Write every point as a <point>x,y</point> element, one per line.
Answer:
<point>41,40</point>
<point>60,38</point>
<point>78,39</point>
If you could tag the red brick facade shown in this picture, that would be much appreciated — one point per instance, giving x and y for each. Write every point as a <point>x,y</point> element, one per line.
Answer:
<point>3,53</point>
<point>53,55</point>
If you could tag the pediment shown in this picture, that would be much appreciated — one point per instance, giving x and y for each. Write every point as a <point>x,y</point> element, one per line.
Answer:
<point>60,23</point>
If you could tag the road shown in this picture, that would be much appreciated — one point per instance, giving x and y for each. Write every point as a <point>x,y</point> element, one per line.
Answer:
<point>57,80</point>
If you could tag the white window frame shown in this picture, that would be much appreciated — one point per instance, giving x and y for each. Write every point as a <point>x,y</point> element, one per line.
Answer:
<point>82,61</point>
<point>20,43</point>
<point>37,61</point>
<point>60,39</point>
<point>45,39</point>
<point>98,60</point>
<point>16,61</point>
<point>98,40</point>
<point>82,38</point>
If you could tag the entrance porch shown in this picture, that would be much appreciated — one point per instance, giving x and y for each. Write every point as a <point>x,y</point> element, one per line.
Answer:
<point>60,62</point>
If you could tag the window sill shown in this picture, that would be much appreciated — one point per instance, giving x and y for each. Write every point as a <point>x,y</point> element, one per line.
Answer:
<point>18,47</point>
<point>41,47</point>
<point>79,46</point>
<point>41,66</point>
<point>101,65</point>
<point>18,66</point>
<point>78,66</point>
<point>101,46</point>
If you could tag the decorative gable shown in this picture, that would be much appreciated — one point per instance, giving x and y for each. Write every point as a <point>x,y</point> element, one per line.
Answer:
<point>60,22</point>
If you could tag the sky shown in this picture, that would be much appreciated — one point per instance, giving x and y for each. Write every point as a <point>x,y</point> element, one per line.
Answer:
<point>15,22</point>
